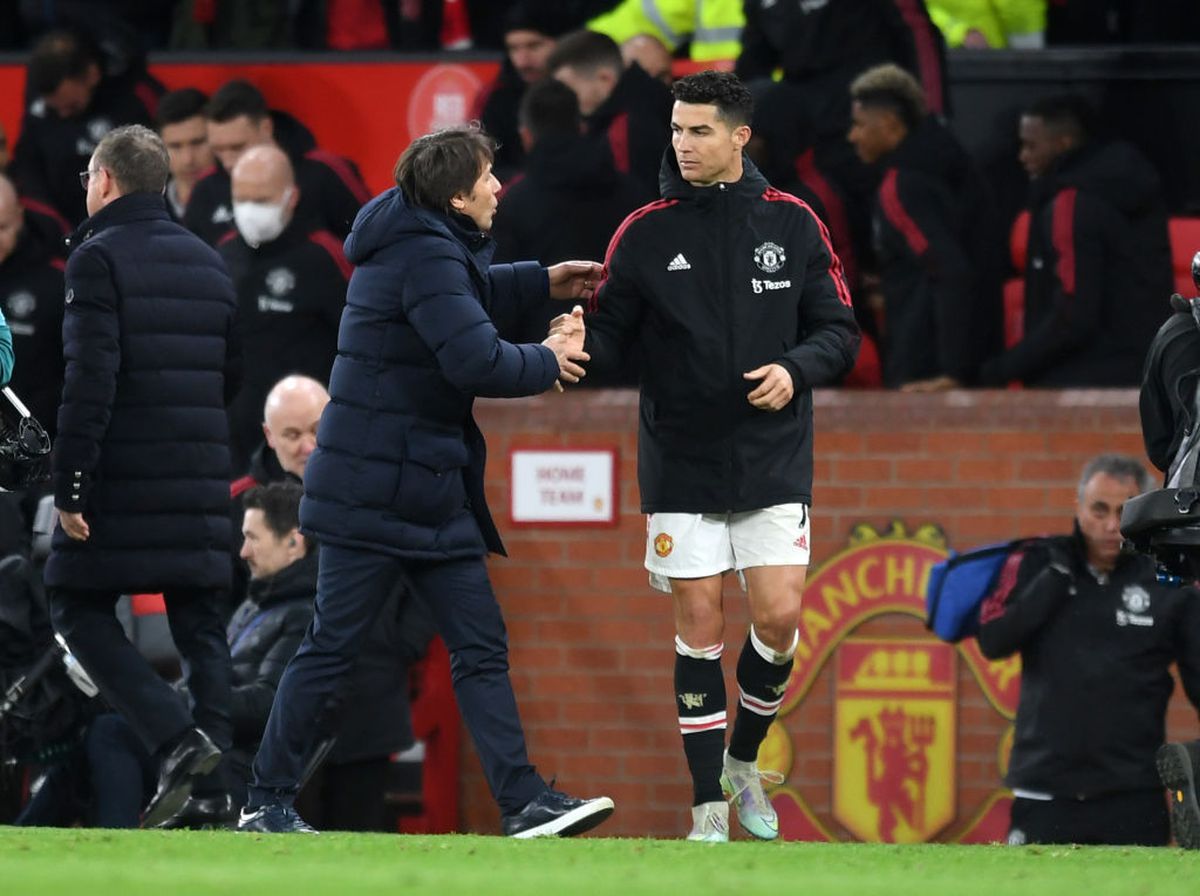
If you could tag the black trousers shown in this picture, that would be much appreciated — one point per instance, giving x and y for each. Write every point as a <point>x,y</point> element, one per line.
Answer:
<point>1131,818</point>
<point>352,586</point>
<point>157,712</point>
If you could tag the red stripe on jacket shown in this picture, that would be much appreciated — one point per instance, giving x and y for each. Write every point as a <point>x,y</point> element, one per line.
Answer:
<point>333,246</point>
<point>1062,235</point>
<point>616,238</point>
<point>993,606</point>
<point>929,69</point>
<point>893,209</point>
<point>618,142</point>
<point>49,211</point>
<point>835,264</point>
<point>839,223</point>
<point>239,486</point>
<point>344,172</point>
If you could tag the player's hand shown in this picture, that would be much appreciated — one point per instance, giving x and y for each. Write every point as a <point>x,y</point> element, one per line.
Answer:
<point>574,279</point>
<point>569,370</point>
<point>74,525</point>
<point>775,390</point>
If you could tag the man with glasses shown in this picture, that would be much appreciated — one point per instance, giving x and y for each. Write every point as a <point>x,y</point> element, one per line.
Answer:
<point>141,465</point>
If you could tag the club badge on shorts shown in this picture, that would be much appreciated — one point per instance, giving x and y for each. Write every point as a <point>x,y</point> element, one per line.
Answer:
<point>663,544</point>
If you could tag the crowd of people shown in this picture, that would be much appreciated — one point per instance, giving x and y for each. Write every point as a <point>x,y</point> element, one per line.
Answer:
<point>355,543</point>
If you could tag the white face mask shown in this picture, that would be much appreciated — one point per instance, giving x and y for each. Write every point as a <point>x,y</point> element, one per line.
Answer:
<point>261,222</point>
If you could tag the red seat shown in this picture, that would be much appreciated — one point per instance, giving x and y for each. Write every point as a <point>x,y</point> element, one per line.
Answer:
<point>1185,243</point>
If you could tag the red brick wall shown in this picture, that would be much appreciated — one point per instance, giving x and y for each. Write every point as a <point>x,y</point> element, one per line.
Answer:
<point>591,644</point>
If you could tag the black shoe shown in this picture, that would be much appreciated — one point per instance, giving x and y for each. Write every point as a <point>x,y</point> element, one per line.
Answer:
<point>273,818</point>
<point>195,755</point>
<point>204,812</point>
<point>556,814</point>
<point>1177,765</point>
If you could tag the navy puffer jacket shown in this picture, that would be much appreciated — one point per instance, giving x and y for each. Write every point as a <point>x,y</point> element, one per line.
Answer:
<point>143,444</point>
<point>399,459</point>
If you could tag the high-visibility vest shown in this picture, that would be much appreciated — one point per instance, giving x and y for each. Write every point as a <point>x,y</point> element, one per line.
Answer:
<point>714,26</point>
<point>1005,23</point>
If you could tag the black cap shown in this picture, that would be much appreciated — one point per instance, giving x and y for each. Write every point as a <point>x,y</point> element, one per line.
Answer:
<point>543,16</point>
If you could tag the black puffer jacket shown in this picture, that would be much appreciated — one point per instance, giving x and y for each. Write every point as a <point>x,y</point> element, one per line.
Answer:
<point>263,636</point>
<point>709,283</point>
<point>152,358</point>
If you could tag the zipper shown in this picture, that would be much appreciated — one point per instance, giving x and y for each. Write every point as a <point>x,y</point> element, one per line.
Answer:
<point>724,281</point>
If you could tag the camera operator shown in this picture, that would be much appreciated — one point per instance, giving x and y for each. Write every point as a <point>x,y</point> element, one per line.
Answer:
<point>1168,413</point>
<point>1097,634</point>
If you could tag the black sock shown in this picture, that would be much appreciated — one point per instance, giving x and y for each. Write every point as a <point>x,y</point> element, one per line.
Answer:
<point>700,699</point>
<point>762,676</point>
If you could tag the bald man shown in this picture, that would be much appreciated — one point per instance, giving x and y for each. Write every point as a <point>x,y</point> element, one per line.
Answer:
<point>291,280</point>
<point>31,299</point>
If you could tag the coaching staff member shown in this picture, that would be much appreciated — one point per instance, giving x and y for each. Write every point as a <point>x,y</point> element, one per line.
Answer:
<point>141,466</point>
<point>737,303</point>
<point>395,486</point>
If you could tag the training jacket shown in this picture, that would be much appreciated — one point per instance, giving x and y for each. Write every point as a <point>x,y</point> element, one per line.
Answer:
<point>709,283</point>
<point>1095,666</point>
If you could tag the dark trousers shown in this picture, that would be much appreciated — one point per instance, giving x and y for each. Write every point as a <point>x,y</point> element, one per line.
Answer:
<point>1131,818</point>
<point>352,586</point>
<point>157,712</point>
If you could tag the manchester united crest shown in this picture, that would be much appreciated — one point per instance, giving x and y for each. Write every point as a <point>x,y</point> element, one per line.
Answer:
<point>663,544</point>
<point>769,257</point>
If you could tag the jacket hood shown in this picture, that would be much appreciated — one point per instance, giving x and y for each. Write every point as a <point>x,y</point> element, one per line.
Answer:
<point>673,186</point>
<point>1114,171</point>
<point>265,466</point>
<point>931,148</point>
<point>388,219</point>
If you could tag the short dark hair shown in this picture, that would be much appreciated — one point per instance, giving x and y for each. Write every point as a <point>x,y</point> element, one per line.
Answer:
<point>279,503</point>
<point>734,102</point>
<point>180,105</point>
<point>234,99</point>
<point>1067,113</point>
<point>438,166</point>
<point>586,51</point>
<point>136,157</point>
<point>549,107</point>
<point>57,56</point>
<point>892,88</point>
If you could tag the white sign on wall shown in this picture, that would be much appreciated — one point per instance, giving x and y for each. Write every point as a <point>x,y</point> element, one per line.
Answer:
<point>564,487</point>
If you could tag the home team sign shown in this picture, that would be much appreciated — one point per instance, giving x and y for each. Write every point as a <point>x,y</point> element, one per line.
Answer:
<point>564,487</point>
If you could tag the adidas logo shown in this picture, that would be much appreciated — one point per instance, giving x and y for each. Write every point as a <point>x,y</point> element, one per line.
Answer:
<point>679,263</point>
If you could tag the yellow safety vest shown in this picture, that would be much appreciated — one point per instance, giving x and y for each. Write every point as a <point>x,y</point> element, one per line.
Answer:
<point>714,26</point>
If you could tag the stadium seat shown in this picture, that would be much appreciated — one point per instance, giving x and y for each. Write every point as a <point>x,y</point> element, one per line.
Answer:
<point>1185,243</point>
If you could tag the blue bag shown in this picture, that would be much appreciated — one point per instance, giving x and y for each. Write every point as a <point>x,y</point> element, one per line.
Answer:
<point>960,583</point>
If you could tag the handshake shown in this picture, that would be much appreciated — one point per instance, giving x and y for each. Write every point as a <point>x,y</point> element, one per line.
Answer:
<point>570,280</point>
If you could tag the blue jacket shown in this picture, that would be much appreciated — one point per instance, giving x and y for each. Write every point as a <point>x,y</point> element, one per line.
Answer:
<point>143,444</point>
<point>399,459</point>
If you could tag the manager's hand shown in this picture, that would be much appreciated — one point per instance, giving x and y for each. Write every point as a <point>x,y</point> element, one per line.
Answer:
<point>74,525</point>
<point>574,279</point>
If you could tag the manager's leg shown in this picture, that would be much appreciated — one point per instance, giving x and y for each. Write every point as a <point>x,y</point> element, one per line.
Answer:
<point>352,586</point>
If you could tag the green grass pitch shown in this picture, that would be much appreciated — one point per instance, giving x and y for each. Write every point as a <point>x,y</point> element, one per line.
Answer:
<point>97,863</point>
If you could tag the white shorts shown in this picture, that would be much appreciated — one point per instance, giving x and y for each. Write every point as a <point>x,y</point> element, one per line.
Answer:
<point>697,545</point>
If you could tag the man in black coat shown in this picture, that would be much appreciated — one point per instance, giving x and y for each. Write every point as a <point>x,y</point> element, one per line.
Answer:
<point>31,299</point>
<point>569,202</point>
<point>1097,634</point>
<point>732,293</point>
<point>330,187</point>
<point>937,238</point>
<point>73,103</point>
<point>290,276</point>
<point>621,104</point>
<point>141,466</point>
<point>1098,267</point>
<point>395,487</point>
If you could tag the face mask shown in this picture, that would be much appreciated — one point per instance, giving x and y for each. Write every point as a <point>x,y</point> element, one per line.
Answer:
<point>261,222</point>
